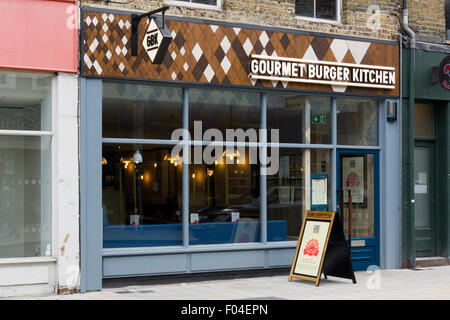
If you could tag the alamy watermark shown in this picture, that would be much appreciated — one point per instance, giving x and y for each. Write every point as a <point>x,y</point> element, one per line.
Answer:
<point>374,279</point>
<point>210,147</point>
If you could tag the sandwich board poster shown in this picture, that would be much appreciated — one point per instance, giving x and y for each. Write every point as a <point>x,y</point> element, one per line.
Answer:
<point>312,245</point>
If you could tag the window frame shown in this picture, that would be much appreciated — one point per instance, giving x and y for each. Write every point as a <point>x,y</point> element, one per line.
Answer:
<point>338,19</point>
<point>217,6</point>
<point>52,254</point>
<point>332,147</point>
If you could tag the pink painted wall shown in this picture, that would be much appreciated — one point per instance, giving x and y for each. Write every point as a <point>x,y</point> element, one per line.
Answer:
<point>39,35</point>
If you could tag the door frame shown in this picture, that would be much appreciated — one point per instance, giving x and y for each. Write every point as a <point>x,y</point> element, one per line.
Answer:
<point>432,205</point>
<point>372,241</point>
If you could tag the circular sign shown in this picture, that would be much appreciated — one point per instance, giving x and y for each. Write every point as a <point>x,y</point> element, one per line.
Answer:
<point>444,73</point>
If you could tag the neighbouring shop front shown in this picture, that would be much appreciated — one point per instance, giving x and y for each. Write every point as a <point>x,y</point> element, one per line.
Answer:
<point>39,239</point>
<point>426,160</point>
<point>145,211</point>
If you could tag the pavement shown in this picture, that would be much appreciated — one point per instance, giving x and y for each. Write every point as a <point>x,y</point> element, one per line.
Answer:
<point>399,284</point>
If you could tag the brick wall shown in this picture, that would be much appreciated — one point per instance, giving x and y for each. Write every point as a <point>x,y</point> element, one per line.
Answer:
<point>427,19</point>
<point>362,18</point>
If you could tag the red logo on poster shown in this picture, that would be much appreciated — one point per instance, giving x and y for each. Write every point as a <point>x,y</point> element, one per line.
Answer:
<point>352,180</point>
<point>312,248</point>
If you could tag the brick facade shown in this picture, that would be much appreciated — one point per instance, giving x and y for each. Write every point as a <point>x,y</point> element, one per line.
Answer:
<point>358,17</point>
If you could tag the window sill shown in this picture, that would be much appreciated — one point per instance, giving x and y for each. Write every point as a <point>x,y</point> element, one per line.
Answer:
<point>193,5</point>
<point>111,252</point>
<point>27,260</point>
<point>308,19</point>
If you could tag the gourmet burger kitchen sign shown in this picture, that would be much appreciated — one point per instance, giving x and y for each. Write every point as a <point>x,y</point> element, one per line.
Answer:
<point>321,72</point>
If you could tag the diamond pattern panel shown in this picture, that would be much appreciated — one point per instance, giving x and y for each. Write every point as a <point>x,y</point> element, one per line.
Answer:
<point>216,54</point>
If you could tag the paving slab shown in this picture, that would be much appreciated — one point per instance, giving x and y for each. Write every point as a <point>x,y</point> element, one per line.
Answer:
<point>400,284</point>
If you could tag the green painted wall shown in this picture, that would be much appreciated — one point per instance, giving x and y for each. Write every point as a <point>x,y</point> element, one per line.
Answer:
<point>424,89</point>
<point>426,92</point>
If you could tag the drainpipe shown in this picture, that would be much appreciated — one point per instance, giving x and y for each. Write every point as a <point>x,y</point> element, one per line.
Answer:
<point>412,69</point>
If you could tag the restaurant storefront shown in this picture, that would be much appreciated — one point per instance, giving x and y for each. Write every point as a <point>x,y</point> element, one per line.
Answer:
<point>313,111</point>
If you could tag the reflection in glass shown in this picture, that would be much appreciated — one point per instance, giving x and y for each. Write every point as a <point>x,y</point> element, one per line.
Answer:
<point>357,175</point>
<point>421,187</point>
<point>25,101</point>
<point>357,122</point>
<point>25,204</point>
<point>326,9</point>
<point>288,192</point>
<point>224,109</point>
<point>424,120</point>
<point>300,119</point>
<point>141,196</point>
<point>140,111</point>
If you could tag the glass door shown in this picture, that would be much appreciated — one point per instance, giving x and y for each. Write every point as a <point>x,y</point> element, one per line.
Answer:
<point>358,180</point>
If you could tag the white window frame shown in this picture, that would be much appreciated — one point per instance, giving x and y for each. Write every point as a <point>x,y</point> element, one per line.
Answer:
<point>11,81</point>
<point>217,6</point>
<point>314,19</point>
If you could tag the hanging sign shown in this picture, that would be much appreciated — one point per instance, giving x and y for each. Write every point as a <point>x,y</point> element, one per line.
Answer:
<point>156,42</point>
<point>321,72</point>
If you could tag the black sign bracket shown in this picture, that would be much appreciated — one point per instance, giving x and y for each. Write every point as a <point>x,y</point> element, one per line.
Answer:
<point>135,19</point>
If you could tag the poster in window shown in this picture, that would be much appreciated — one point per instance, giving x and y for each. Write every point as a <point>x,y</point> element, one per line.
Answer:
<point>354,178</point>
<point>319,191</point>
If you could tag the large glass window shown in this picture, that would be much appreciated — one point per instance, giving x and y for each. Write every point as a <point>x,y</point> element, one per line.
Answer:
<point>25,165</point>
<point>224,109</point>
<point>141,196</point>
<point>289,191</point>
<point>357,122</point>
<point>140,111</point>
<point>300,119</point>
<point>424,120</point>
<point>143,184</point>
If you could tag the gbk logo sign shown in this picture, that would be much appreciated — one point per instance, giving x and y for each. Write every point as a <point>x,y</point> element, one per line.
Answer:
<point>156,42</point>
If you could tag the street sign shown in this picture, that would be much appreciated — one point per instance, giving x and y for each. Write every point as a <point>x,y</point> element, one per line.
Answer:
<point>156,42</point>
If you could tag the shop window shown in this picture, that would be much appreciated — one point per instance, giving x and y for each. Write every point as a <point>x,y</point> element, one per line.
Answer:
<point>317,9</point>
<point>357,122</point>
<point>25,165</point>
<point>299,118</point>
<point>289,191</point>
<point>141,196</point>
<point>140,111</point>
<point>224,109</point>
<point>224,199</point>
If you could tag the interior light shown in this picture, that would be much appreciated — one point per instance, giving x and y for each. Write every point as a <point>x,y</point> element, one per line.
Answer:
<point>137,157</point>
<point>126,161</point>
